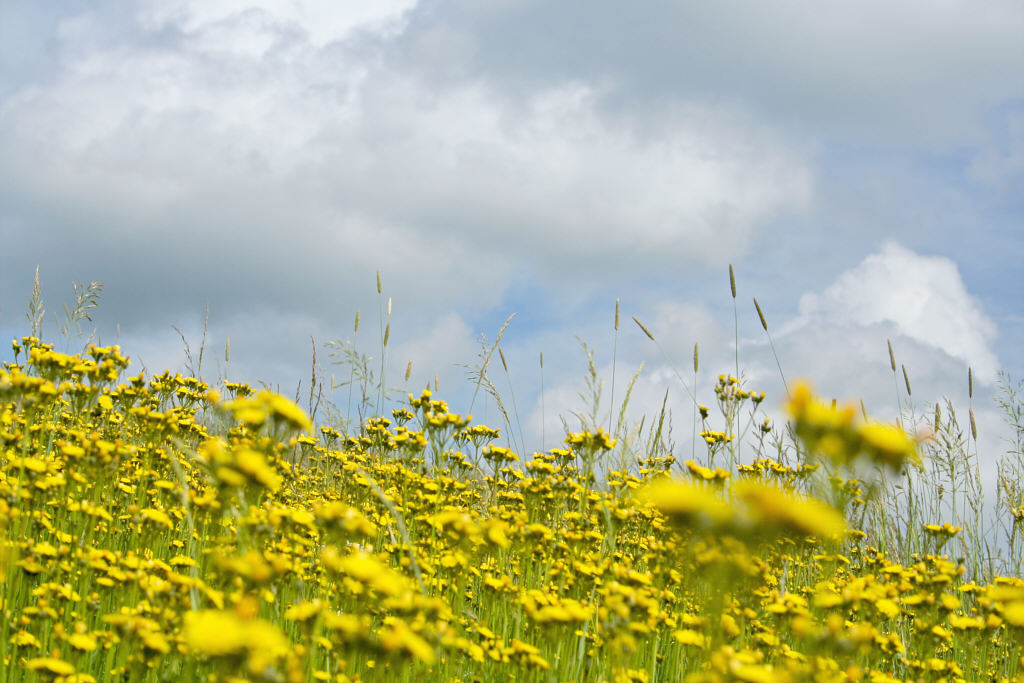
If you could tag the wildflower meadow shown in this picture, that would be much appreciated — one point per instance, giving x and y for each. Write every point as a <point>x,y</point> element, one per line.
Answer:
<point>164,527</point>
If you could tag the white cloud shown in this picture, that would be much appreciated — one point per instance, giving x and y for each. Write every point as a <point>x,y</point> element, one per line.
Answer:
<point>446,343</point>
<point>242,24</point>
<point>837,341</point>
<point>922,297</point>
<point>217,136</point>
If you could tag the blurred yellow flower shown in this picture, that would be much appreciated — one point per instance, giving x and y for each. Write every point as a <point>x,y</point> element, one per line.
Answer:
<point>214,632</point>
<point>684,502</point>
<point>52,665</point>
<point>268,405</point>
<point>791,513</point>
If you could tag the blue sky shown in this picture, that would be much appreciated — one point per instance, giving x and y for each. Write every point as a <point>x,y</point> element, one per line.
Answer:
<point>862,168</point>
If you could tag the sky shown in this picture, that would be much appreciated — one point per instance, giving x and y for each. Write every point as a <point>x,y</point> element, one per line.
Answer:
<point>862,169</point>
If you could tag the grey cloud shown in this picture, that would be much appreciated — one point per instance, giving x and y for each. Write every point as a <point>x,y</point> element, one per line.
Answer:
<point>322,22</point>
<point>871,70</point>
<point>260,174</point>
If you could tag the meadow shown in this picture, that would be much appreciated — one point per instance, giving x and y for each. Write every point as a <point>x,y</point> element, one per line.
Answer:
<point>163,527</point>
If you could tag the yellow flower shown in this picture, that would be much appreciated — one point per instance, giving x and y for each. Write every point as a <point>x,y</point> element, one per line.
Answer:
<point>1013,614</point>
<point>346,517</point>
<point>729,625</point>
<point>155,641</point>
<point>44,549</point>
<point>31,464</point>
<point>304,611</point>
<point>565,611</point>
<point>706,473</point>
<point>214,632</point>
<point>496,533</point>
<point>368,570</point>
<point>887,607</point>
<point>499,454</point>
<point>214,450</point>
<point>217,633</point>
<point>283,410</point>
<point>963,623</point>
<point>591,441</point>
<point>266,404</point>
<point>23,639</point>
<point>788,511</point>
<point>254,465</point>
<point>157,517</point>
<point>835,433</point>
<point>398,636</point>
<point>814,416</point>
<point>686,503</point>
<point>265,643</point>
<point>51,665</point>
<point>690,637</point>
<point>83,641</point>
<point>348,627</point>
<point>888,445</point>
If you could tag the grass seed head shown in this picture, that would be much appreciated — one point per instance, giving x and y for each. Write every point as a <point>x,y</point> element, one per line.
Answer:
<point>760,315</point>
<point>642,327</point>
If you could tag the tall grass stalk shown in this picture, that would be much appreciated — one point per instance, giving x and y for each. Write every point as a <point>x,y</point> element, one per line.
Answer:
<point>385,331</point>
<point>352,369</point>
<point>693,440</point>
<point>543,407</point>
<point>771,343</point>
<point>896,383</point>
<point>86,298</point>
<point>615,353</point>
<point>479,373</point>
<point>734,444</point>
<point>36,310</point>
<point>686,387</point>
<point>736,320</point>
<point>515,407</point>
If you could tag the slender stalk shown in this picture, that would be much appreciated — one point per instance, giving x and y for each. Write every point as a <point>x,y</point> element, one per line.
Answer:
<point>615,350</point>
<point>764,325</point>
<point>693,440</point>
<point>543,409</point>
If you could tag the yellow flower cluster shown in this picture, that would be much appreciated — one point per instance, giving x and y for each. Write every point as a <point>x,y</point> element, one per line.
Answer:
<point>838,434</point>
<point>749,508</point>
<point>151,531</point>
